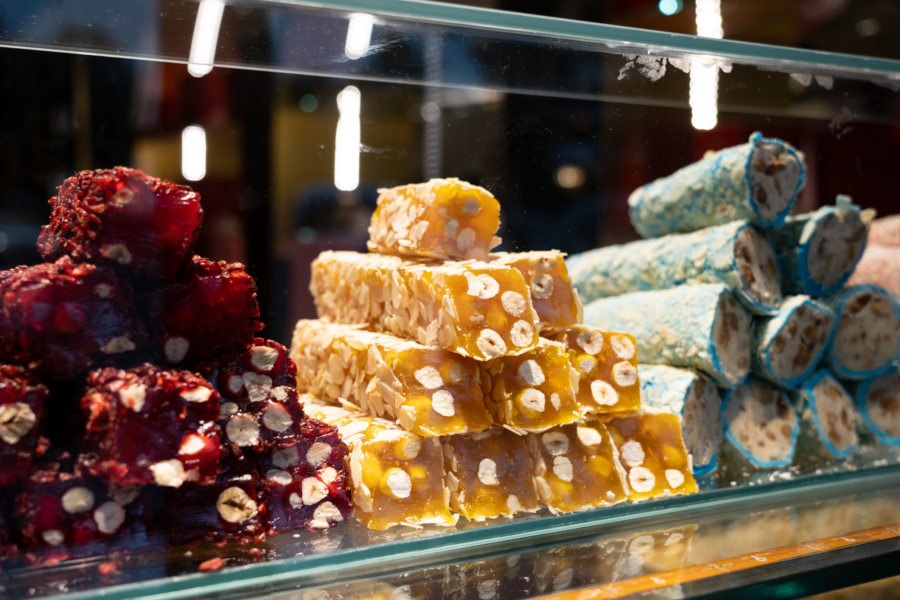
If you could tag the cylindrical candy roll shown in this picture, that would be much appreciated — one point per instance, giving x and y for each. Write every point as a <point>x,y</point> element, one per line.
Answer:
<point>787,346</point>
<point>878,402</point>
<point>818,251</point>
<point>696,400</point>
<point>733,254</point>
<point>761,430</point>
<point>827,421</point>
<point>757,181</point>
<point>866,337</point>
<point>695,326</point>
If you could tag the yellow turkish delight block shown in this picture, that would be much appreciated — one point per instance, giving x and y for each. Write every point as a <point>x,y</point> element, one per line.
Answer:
<point>428,390</point>
<point>441,218</point>
<point>489,474</point>
<point>576,467</point>
<point>533,391</point>
<point>472,308</point>
<point>652,452</point>
<point>396,477</point>
<point>606,362</point>
<point>552,295</point>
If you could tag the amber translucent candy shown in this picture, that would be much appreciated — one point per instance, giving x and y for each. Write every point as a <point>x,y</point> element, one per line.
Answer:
<point>534,391</point>
<point>606,362</point>
<point>428,390</point>
<point>472,308</point>
<point>441,218</point>
<point>652,452</point>
<point>489,474</point>
<point>396,477</point>
<point>575,467</point>
<point>552,295</point>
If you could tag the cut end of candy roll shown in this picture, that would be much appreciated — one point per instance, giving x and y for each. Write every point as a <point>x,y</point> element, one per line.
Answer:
<point>702,425</point>
<point>834,249</point>
<point>761,423</point>
<point>835,417</point>
<point>881,407</point>
<point>731,338</point>
<point>868,333</point>
<point>775,173</point>
<point>799,343</point>
<point>758,268</point>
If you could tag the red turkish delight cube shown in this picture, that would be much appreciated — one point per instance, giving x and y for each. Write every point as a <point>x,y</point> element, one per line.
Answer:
<point>67,318</point>
<point>124,217</point>
<point>22,400</point>
<point>151,425</point>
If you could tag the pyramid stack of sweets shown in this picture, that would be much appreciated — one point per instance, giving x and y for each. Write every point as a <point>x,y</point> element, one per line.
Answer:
<point>464,382</point>
<point>729,291</point>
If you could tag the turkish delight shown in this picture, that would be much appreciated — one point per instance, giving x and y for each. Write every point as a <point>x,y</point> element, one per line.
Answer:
<point>552,295</point>
<point>22,404</point>
<point>827,422</point>
<point>878,401</point>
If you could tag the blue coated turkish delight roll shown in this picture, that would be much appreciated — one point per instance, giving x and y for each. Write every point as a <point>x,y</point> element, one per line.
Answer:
<point>866,337</point>
<point>757,181</point>
<point>818,251</point>
<point>878,402</point>
<point>827,421</point>
<point>787,346</point>
<point>733,254</point>
<point>694,326</point>
<point>696,400</point>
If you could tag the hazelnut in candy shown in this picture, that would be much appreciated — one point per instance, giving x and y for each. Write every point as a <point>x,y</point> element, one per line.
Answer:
<point>67,317</point>
<point>124,217</point>
<point>149,425</point>
<point>22,400</point>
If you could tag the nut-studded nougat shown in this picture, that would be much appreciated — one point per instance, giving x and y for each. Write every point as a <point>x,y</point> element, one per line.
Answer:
<point>472,308</point>
<point>441,218</point>
<point>429,390</point>
<point>552,295</point>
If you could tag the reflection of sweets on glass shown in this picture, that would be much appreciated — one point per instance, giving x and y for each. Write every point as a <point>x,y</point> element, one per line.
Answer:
<point>866,339</point>
<point>761,429</point>
<point>878,402</point>
<point>533,391</point>
<point>653,454</point>
<point>489,474</point>
<point>818,251</point>
<point>828,422</point>
<point>427,389</point>
<point>572,566</point>
<point>655,551</point>
<point>472,308</point>
<point>787,346</point>
<point>837,516</point>
<point>761,530</point>
<point>552,295</point>
<point>576,467</point>
<point>511,576</point>
<point>757,181</point>
<point>696,400</point>
<point>396,477</point>
<point>606,362</point>
<point>734,254</point>
<point>701,327</point>
<point>441,218</point>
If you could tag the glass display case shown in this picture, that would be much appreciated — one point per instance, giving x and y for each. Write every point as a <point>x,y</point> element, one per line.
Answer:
<point>288,117</point>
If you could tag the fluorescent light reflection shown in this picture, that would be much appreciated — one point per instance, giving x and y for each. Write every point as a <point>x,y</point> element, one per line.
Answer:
<point>193,153</point>
<point>704,86</point>
<point>359,34</point>
<point>206,36</point>
<point>347,140</point>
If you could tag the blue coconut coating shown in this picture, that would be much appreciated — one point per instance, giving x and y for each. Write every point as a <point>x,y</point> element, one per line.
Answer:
<point>704,256</point>
<point>836,303</point>
<point>792,244</point>
<point>730,396</point>
<point>672,326</point>
<point>766,329</point>
<point>860,392</point>
<point>811,421</point>
<point>712,191</point>
<point>667,389</point>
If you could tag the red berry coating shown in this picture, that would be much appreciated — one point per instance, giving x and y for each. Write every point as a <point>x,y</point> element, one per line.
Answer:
<point>124,217</point>
<point>22,400</point>
<point>150,425</point>
<point>67,318</point>
<point>211,311</point>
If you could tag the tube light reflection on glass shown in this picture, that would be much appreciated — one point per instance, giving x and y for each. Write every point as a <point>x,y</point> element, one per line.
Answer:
<point>359,35</point>
<point>347,140</point>
<point>704,85</point>
<point>206,37</point>
<point>193,153</point>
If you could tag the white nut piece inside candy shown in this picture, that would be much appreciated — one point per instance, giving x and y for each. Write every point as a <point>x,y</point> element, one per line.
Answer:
<point>556,442</point>
<point>641,479</point>
<point>481,286</point>
<point>455,372</point>
<point>533,399</point>
<point>235,505</point>
<point>175,349</point>
<point>513,303</point>
<point>226,409</point>
<point>192,444</point>
<point>53,537</point>
<point>513,504</point>
<point>521,334</point>
<point>312,490</point>
<point>109,516</point>
<point>429,377</point>
<point>588,436</point>
<point>530,372</point>
<point>263,358</point>
<point>235,384</point>
<point>197,394</point>
<point>562,468</point>
<point>16,420</point>
<point>258,386</point>
<point>487,472</point>
<point>289,457</point>
<point>491,344</point>
<point>104,290</point>
<point>77,499</point>
<point>328,475</point>
<point>442,403</point>
<point>590,340</point>
<point>624,374</point>
<point>675,478</point>
<point>116,252</point>
<point>465,239</point>
<point>133,396</point>
<point>622,346</point>
<point>542,286</point>
<point>168,473</point>
<point>279,477</point>
<point>276,418</point>
<point>399,483</point>
<point>242,430</point>
<point>316,455</point>
<point>632,453</point>
<point>325,515</point>
<point>118,345</point>
<point>603,393</point>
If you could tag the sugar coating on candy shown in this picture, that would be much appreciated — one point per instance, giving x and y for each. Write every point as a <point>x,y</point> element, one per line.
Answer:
<point>51,313</point>
<point>124,217</point>
<point>163,438</point>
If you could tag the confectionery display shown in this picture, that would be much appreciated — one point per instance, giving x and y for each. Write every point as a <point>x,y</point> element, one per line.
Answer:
<point>878,401</point>
<point>827,421</point>
<point>878,263</point>
<point>22,400</point>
